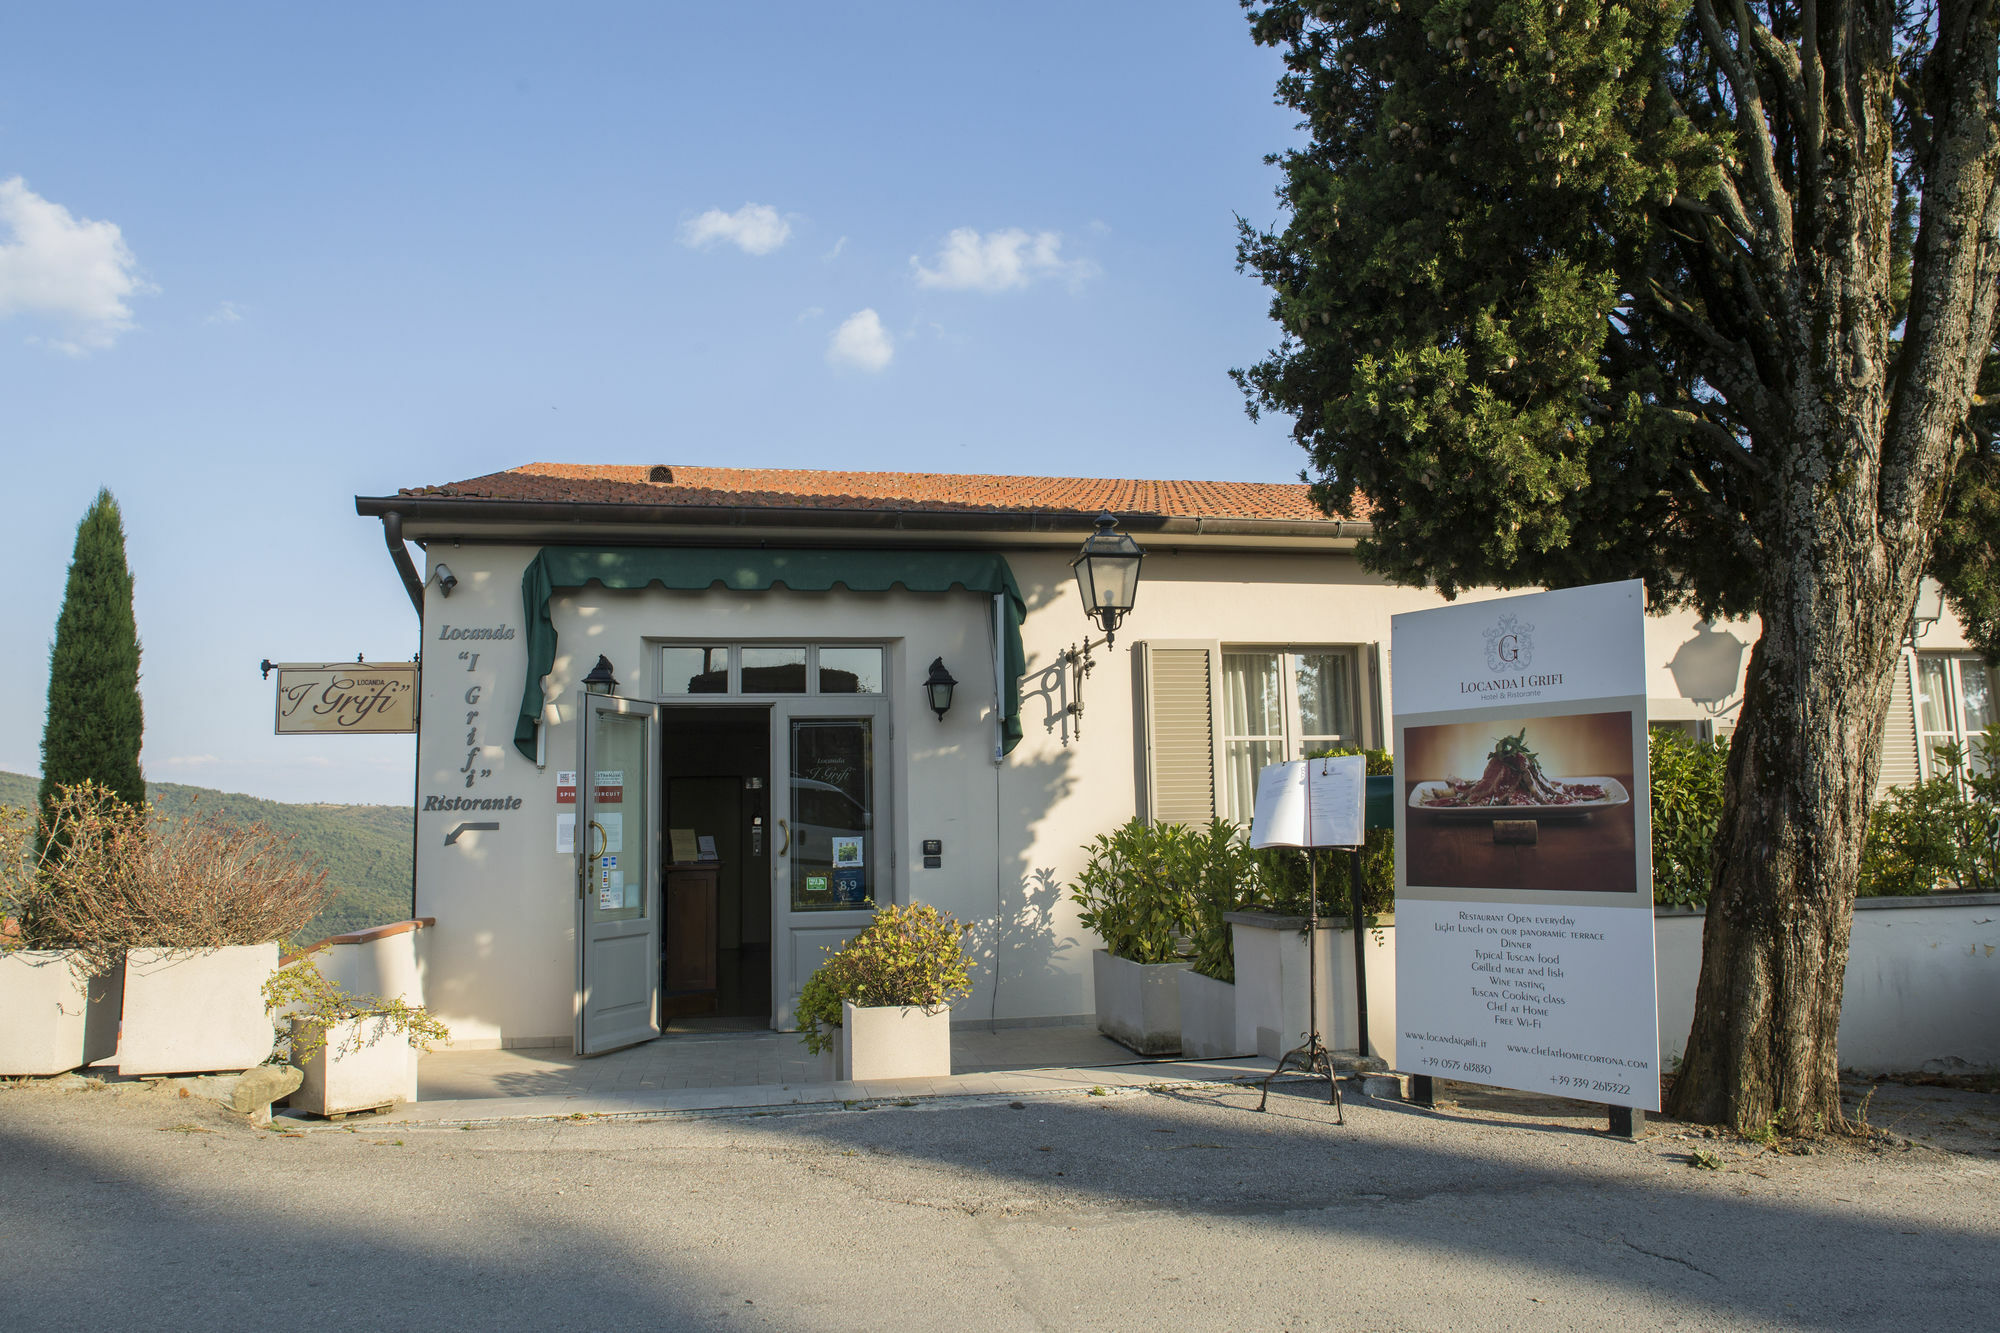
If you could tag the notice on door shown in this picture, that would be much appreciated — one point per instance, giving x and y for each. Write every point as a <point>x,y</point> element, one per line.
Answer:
<point>1524,905</point>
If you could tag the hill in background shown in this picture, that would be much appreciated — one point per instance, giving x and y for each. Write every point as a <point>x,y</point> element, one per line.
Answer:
<point>364,849</point>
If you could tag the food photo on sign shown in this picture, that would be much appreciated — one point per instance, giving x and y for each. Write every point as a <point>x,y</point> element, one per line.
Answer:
<point>1529,803</point>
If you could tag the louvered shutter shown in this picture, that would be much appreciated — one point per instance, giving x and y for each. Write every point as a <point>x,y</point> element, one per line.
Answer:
<point>1900,765</point>
<point>1180,731</point>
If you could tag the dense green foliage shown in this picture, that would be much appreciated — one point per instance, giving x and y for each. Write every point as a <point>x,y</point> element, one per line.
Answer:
<point>1687,781</point>
<point>911,955</point>
<point>1134,894</point>
<point>365,849</point>
<point>1539,308</point>
<point>95,723</point>
<point>1222,875</point>
<point>1941,833</point>
<point>1287,871</point>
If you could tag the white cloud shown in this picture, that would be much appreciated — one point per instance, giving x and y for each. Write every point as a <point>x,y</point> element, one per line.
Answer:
<point>228,312</point>
<point>755,229</point>
<point>861,342</point>
<point>998,261</point>
<point>838,246</point>
<point>72,271</point>
<point>810,312</point>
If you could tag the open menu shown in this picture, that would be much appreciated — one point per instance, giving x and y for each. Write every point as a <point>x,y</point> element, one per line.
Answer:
<point>1311,803</point>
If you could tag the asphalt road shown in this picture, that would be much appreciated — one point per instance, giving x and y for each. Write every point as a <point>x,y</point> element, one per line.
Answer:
<point>122,1208</point>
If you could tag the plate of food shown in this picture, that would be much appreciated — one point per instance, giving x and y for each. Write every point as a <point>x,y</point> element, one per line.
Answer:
<point>1514,787</point>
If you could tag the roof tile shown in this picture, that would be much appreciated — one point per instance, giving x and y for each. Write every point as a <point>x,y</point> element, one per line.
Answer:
<point>788,488</point>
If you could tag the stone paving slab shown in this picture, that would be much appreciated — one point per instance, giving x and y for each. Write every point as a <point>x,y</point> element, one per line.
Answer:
<point>667,1102</point>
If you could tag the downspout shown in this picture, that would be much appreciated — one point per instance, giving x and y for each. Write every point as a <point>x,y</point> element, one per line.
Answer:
<point>392,533</point>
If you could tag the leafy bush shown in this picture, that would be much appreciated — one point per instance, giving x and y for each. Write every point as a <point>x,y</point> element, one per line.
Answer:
<point>1135,893</point>
<point>1687,783</point>
<point>1222,874</point>
<point>109,877</point>
<point>1288,872</point>
<point>905,956</point>
<point>1943,832</point>
<point>301,991</point>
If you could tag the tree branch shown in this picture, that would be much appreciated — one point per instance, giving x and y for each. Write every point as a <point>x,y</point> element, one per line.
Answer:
<point>1753,135</point>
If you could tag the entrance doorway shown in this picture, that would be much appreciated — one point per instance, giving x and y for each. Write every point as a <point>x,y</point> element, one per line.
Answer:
<point>715,950</point>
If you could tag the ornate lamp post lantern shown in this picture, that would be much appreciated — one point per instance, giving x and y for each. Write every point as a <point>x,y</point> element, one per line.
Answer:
<point>1107,575</point>
<point>1107,578</point>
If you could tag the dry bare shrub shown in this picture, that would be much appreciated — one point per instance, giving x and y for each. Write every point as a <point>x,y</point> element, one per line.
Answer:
<point>110,878</point>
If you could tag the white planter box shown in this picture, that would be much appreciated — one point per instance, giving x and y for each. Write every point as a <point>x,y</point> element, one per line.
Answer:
<point>195,1011</point>
<point>894,1042</point>
<point>1271,984</point>
<point>54,1015</point>
<point>1139,1004</point>
<point>1208,1019</point>
<point>339,1080</point>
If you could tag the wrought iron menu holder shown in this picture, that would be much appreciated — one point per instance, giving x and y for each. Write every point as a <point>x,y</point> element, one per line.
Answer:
<point>1312,1058</point>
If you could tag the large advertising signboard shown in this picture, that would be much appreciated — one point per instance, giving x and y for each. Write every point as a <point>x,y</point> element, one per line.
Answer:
<point>1524,876</point>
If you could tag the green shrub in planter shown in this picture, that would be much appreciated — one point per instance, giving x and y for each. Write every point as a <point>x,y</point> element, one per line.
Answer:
<point>301,991</point>
<point>1134,891</point>
<point>1941,833</point>
<point>1222,874</point>
<point>906,956</point>
<point>1687,781</point>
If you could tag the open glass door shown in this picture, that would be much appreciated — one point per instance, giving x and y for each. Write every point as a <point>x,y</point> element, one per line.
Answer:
<point>617,875</point>
<point>833,860</point>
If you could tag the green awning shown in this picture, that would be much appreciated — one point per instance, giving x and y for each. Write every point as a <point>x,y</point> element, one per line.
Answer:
<point>695,569</point>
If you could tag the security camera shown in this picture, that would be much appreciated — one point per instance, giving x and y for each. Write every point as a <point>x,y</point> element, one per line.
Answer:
<point>446,580</point>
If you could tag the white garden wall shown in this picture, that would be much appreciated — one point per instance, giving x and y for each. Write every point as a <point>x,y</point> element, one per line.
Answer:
<point>1923,984</point>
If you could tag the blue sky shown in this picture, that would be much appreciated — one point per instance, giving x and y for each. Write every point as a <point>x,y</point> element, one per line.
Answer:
<point>256,260</point>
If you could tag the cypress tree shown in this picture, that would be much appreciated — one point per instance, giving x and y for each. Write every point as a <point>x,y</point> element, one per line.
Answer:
<point>95,722</point>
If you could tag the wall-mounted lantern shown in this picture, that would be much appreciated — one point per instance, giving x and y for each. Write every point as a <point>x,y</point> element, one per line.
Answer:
<point>1107,574</point>
<point>600,680</point>
<point>1929,609</point>
<point>937,688</point>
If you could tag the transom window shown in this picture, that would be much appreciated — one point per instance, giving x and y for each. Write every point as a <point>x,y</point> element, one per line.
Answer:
<point>1955,704</point>
<point>776,668</point>
<point>1281,704</point>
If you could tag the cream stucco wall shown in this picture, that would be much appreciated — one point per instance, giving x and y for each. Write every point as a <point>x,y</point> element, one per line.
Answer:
<point>501,960</point>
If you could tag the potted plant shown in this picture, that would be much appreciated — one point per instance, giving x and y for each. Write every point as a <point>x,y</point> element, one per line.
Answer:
<point>354,1052</point>
<point>60,1000</point>
<point>194,907</point>
<point>882,1002</point>
<point>1133,892</point>
<point>1223,876</point>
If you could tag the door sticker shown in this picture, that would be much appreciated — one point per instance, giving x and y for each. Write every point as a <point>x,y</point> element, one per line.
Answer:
<point>847,851</point>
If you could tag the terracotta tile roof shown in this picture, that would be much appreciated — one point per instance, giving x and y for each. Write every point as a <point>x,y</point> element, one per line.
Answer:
<point>786,488</point>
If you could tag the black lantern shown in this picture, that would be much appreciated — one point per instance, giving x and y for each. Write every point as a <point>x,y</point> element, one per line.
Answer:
<point>600,680</point>
<point>937,688</point>
<point>1107,575</point>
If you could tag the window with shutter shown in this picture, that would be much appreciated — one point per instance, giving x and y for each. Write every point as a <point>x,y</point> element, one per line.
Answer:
<point>1180,733</point>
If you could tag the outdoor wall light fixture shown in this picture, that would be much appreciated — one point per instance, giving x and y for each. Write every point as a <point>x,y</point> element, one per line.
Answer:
<point>1107,577</point>
<point>937,688</point>
<point>446,580</point>
<point>1107,574</point>
<point>1929,609</point>
<point>600,680</point>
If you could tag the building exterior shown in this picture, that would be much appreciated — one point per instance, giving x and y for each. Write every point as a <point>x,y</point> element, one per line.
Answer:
<point>767,764</point>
